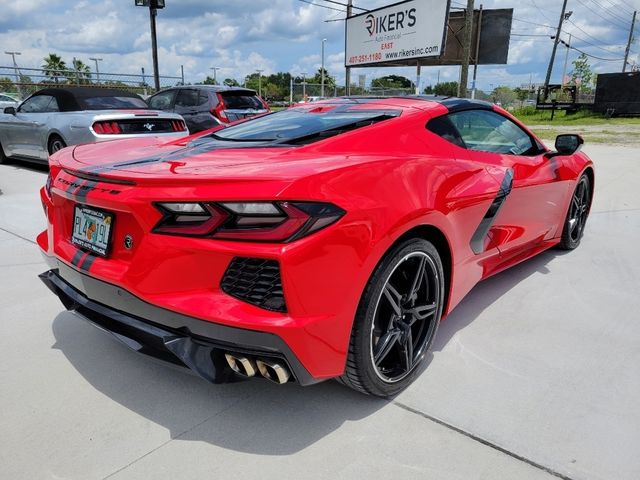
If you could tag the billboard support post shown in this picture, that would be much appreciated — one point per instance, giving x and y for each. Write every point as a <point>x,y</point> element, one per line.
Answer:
<point>347,73</point>
<point>475,63</point>
<point>466,51</point>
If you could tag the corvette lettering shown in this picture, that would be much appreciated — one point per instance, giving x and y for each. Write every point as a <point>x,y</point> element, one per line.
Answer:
<point>85,188</point>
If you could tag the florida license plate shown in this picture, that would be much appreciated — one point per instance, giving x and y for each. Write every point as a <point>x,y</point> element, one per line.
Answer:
<point>92,229</point>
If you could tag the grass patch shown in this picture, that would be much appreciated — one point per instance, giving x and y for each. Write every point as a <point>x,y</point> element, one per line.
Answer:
<point>531,116</point>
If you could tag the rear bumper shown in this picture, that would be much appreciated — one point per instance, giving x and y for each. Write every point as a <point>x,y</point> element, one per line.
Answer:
<point>171,337</point>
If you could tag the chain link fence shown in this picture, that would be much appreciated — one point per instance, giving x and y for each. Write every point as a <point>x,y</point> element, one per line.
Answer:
<point>312,91</point>
<point>25,81</point>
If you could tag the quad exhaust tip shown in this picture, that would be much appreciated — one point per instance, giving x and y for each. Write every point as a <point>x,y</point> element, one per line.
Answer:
<point>274,371</point>
<point>241,365</point>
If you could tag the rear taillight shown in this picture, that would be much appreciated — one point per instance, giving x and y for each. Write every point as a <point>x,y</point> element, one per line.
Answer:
<point>107,128</point>
<point>218,111</point>
<point>178,126</point>
<point>248,221</point>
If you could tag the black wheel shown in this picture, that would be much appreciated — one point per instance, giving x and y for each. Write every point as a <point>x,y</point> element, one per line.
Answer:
<point>577,215</point>
<point>55,143</point>
<point>397,320</point>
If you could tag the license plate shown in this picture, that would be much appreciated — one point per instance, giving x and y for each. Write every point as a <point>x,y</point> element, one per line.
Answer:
<point>92,229</point>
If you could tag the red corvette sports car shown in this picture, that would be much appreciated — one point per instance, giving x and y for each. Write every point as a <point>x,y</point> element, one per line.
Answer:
<point>323,241</point>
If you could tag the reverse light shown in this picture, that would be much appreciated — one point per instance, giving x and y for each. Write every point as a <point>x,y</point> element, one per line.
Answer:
<point>246,221</point>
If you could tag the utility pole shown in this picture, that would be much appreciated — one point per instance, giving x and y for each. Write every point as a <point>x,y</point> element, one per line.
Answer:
<point>556,40</point>
<point>215,69</point>
<point>466,49</point>
<point>566,59</point>
<point>347,76</point>
<point>182,74</point>
<point>153,12</point>
<point>15,69</point>
<point>96,60</point>
<point>259,72</point>
<point>626,52</point>
<point>324,40</point>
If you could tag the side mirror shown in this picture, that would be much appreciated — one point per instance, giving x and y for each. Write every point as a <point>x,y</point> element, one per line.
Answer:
<point>568,144</point>
<point>10,110</point>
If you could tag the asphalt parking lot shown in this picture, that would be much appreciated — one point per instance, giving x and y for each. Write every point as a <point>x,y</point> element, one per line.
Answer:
<point>534,376</point>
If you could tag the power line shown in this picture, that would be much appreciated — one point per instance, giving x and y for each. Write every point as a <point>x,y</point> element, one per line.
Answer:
<point>617,5</point>
<point>619,21</point>
<point>596,57</point>
<point>587,34</point>
<point>345,5</point>
<point>320,5</point>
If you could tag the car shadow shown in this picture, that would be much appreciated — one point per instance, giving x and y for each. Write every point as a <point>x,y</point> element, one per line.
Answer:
<point>252,416</point>
<point>26,165</point>
<point>487,292</point>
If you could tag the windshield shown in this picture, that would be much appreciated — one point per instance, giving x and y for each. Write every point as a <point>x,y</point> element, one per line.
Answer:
<point>292,124</point>
<point>112,103</point>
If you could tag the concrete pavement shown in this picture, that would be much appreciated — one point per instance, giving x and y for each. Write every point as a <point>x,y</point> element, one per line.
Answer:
<point>534,376</point>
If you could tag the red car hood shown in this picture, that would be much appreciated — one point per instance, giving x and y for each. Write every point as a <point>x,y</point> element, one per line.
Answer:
<point>152,160</point>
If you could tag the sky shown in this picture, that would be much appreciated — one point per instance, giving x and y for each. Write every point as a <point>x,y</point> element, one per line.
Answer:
<point>241,36</point>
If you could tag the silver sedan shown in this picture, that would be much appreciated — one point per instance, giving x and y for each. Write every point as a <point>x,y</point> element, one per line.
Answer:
<point>54,118</point>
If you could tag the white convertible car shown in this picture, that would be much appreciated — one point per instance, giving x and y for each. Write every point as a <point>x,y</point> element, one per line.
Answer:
<point>53,118</point>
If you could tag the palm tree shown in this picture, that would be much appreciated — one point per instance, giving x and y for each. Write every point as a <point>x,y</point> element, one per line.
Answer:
<point>54,66</point>
<point>80,73</point>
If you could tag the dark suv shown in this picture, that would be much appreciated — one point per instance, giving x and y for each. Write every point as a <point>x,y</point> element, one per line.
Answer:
<point>205,106</point>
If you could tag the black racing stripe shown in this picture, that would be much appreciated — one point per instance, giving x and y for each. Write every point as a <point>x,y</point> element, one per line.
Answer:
<point>479,236</point>
<point>75,260</point>
<point>87,186</point>
<point>88,261</point>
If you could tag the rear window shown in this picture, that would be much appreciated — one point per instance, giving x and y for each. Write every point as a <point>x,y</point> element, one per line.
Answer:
<point>112,103</point>
<point>235,101</point>
<point>297,125</point>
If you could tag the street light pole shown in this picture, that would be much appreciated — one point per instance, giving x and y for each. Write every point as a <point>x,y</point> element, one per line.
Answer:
<point>260,82</point>
<point>322,70</point>
<point>153,5</point>
<point>304,86</point>
<point>15,68</point>
<point>96,60</point>
<point>215,70</point>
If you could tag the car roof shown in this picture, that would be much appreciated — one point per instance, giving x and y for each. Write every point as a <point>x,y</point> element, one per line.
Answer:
<point>67,97</point>
<point>422,102</point>
<point>213,88</point>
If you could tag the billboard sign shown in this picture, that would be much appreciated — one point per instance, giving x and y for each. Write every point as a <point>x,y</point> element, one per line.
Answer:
<point>400,32</point>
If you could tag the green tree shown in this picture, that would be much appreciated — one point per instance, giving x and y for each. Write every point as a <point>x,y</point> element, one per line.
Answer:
<point>329,81</point>
<point>209,81</point>
<point>80,73</point>
<point>503,95</point>
<point>54,67</point>
<point>445,89</point>
<point>582,75</point>
<point>521,93</point>
<point>392,81</point>
<point>6,85</point>
<point>231,82</point>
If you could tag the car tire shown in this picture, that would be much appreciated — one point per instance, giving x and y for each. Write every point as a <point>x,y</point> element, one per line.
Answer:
<point>577,215</point>
<point>396,321</point>
<point>55,143</point>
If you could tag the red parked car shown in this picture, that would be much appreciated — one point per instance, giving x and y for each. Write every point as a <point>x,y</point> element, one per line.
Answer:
<point>324,241</point>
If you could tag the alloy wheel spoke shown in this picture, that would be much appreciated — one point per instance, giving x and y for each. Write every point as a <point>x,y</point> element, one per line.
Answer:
<point>384,345</point>
<point>419,278</point>
<point>394,298</point>
<point>421,312</point>
<point>406,348</point>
